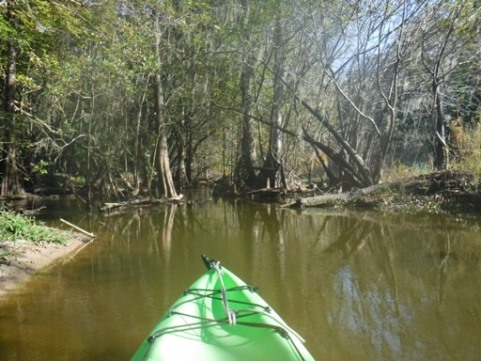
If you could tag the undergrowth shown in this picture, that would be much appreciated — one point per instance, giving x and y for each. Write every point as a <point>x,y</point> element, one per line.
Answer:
<point>466,155</point>
<point>470,152</point>
<point>14,227</point>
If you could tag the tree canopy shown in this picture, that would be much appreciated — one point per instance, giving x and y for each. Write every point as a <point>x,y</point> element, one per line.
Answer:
<point>119,97</point>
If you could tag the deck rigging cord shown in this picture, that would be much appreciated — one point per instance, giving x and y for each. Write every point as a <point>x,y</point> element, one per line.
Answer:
<point>225,301</point>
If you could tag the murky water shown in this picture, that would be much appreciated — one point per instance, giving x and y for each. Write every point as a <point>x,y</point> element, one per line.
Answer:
<point>357,286</point>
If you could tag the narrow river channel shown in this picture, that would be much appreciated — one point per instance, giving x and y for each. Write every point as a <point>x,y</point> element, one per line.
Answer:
<point>356,285</point>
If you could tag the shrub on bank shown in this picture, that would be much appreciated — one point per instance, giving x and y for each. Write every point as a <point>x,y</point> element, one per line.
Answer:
<point>14,226</point>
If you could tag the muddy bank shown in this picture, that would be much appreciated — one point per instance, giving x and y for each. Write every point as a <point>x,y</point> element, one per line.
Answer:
<point>27,258</point>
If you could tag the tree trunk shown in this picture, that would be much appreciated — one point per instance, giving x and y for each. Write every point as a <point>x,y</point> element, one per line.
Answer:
<point>245,177</point>
<point>441,151</point>
<point>244,174</point>
<point>182,179</point>
<point>166,183</point>
<point>189,159</point>
<point>162,161</point>
<point>11,185</point>
<point>271,173</point>
<point>138,144</point>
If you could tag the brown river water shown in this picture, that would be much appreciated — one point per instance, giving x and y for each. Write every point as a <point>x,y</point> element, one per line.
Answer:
<point>356,285</point>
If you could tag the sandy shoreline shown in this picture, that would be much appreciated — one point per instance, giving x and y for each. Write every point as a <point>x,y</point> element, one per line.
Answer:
<point>29,258</point>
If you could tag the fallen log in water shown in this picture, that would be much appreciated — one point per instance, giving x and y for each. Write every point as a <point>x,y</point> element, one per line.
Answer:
<point>141,202</point>
<point>329,200</point>
<point>451,189</point>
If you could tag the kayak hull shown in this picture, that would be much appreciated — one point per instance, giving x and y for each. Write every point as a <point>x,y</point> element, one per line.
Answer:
<point>221,318</point>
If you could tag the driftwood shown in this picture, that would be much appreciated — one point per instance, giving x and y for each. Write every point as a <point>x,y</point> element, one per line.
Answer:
<point>278,194</point>
<point>267,194</point>
<point>31,212</point>
<point>81,230</point>
<point>138,203</point>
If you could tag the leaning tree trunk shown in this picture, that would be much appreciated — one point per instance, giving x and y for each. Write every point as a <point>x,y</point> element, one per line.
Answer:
<point>358,173</point>
<point>11,185</point>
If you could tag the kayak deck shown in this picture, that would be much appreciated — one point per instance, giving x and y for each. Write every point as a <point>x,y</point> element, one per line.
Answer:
<point>221,318</point>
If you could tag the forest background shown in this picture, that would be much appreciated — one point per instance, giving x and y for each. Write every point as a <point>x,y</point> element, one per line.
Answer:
<point>111,98</point>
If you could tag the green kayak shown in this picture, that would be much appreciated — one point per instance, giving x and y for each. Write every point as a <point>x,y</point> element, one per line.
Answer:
<point>220,318</point>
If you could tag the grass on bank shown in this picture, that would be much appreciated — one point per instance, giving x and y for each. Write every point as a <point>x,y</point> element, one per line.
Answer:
<point>14,227</point>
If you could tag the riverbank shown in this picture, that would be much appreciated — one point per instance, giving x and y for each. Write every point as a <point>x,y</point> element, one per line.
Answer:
<point>452,191</point>
<point>26,258</point>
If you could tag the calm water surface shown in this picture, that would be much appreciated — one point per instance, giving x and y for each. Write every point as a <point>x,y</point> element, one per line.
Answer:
<point>356,286</point>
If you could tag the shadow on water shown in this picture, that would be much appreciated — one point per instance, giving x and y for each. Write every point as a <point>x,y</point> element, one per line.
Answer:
<point>357,286</point>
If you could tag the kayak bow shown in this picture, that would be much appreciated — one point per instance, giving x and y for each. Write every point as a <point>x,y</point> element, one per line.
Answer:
<point>220,318</point>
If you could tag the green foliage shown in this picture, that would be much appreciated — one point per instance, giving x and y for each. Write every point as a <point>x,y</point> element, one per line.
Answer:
<point>39,168</point>
<point>14,227</point>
